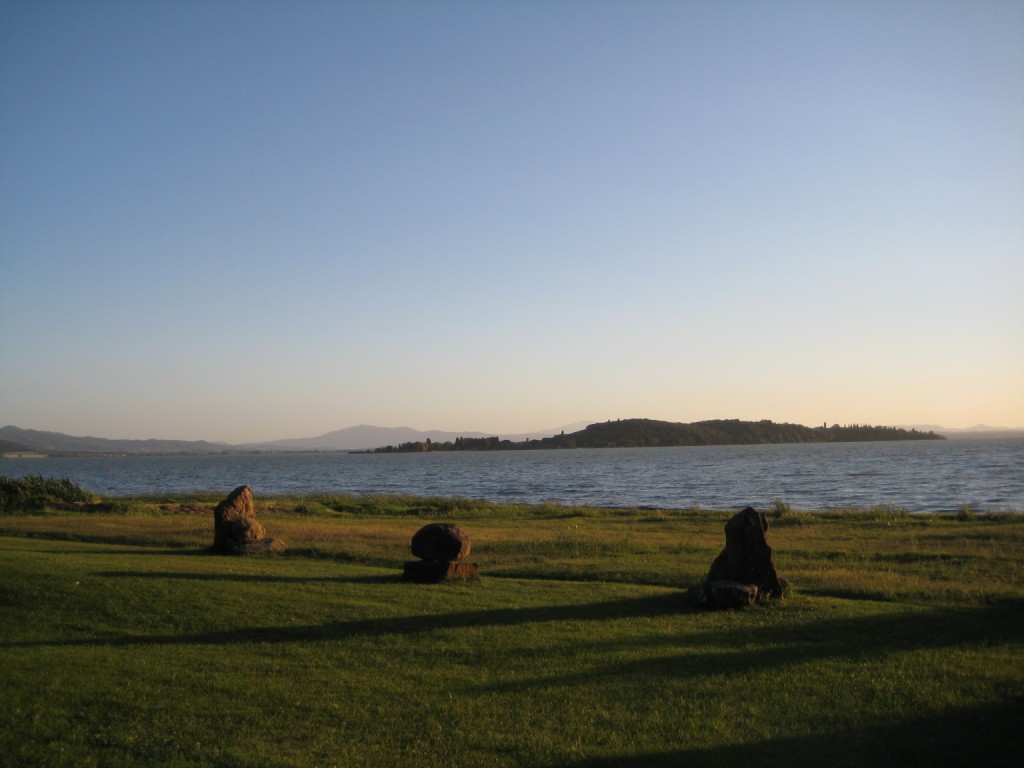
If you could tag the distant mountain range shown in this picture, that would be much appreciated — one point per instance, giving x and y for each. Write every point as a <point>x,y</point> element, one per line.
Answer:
<point>978,431</point>
<point>14,440</point>
<point>366,437</point>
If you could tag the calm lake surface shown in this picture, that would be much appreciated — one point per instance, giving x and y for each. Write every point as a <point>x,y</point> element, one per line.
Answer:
<point>916,475</point>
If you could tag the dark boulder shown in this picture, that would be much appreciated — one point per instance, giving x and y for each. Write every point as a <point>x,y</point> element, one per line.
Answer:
<point>441,548</point>
<point>441,541</point>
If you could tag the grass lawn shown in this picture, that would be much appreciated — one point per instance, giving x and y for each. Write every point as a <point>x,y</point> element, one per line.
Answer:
<point>124,643</point>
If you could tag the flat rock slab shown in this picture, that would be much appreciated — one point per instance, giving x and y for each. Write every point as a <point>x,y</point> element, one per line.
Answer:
<point>435,571</point>
<point>268,546</point>
<point>727,594</point>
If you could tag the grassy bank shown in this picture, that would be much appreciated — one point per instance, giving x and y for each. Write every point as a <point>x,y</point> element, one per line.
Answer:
<point>124,643</point>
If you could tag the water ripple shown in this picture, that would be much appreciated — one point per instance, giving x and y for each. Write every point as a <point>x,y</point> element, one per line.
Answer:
<point>918,476</point>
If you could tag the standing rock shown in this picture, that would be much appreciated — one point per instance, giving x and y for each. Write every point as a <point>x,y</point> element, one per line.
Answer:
<point>228,528</point>
<point>235,528</point>
<point>746,561</point>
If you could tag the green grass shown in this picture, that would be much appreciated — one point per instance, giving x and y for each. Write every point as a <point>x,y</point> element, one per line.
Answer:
<point>38,492</point>
<point>124,643</point>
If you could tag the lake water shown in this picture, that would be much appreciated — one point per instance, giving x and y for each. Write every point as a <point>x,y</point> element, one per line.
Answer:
<point>916,475</point>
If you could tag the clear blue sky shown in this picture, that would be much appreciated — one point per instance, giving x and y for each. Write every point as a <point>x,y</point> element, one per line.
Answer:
<point>253,220</point>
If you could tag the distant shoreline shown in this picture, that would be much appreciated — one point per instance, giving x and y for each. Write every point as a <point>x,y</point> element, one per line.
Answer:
<point>18,443</point>
<point>158,454</point>
<point>651,433</point>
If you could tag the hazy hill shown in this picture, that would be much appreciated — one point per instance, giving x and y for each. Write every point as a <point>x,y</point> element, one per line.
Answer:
<point>9,446</point>
<point>363,437</point>
<point>621,433</point>
<point>366,437</point>
<point>55,442</point>
<point>977,432</point>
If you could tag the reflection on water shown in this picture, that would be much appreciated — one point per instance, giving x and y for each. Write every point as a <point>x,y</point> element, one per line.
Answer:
<point>925,475</point>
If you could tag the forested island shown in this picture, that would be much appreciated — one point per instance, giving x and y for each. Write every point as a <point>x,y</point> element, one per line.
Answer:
<point>650,433</point>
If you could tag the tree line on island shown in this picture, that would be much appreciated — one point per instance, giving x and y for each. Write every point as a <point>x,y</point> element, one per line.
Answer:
<point>650,433</point>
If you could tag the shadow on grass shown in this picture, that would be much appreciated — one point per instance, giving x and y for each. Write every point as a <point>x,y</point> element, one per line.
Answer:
<point>758,647</point>
<point>170,550</point>
<point>137,546</point>
<point>657,605</point>
<point>394,577</point>
<point>985,736</point>
<point>145,544</point>
<point>782,643</point>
